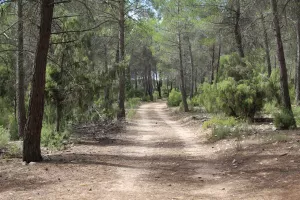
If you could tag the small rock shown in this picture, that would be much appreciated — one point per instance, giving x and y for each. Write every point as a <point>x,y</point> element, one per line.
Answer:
<point>24,163</point>
<point>170,185</point>
<point>90,189</point>
<point>234,161</point>
<point>46,169</point>
<point>32,163</point>
<point>223,188</point>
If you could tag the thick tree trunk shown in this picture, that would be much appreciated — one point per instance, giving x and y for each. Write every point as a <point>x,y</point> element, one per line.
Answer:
<point>267,48</point>
<point>20,92</point>
<point>32,136</point>
<point>281,57</point>
<point>297,73</point>
<point>237,30</point>
<point>122,75</point>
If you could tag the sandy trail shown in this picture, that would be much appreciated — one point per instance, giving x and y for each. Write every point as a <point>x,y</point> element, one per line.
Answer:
<point>154,158</point>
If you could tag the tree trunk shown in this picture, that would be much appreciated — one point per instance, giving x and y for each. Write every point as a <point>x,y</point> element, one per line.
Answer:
<point>183,91</point>
<point>20,92</point>
<point>122,74</point>
<point>267,48</point>
<point>192,68</point>
<point>281,57</point>
<point>149,83</point>
<point>58,115</point>
<point>212,65</point>
<point>237,30</point>
<point>218,61</point>
<point>297,73</point>
<point>196,74</point>
<point>32,136</point>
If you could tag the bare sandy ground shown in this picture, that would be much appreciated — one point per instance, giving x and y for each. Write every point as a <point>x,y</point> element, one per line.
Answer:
<point>158,158</point>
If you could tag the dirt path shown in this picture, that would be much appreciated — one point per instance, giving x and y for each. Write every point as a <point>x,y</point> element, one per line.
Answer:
<point>155,158</point>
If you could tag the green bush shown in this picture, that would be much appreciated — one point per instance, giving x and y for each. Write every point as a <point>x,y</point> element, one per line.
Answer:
<point>131,105</point>
<point>238,99</point>
<point>219,121</point>
<point>13,128</point>
<point>52,139</point>
<point>219,133</point>
<point>270,107</point>
<point>284,120</point>
<point>155,96</point>
<point>174,99</point>
<point>133,93</point>
<point>4,137</point>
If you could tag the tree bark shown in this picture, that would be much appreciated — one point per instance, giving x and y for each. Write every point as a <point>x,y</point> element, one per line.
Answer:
<point>122,74</point>
<point>192,68</point>
<point>32,136</point>
<point>183,91</point>
<point>281,57</point>
<point>218,61</point>
<point>212,65</point>
<point>237,30</point>
<point>267,46</point>
<point>20,92</point>
<point>297,73</point>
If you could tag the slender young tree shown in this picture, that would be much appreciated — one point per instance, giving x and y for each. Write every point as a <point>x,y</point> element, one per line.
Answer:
<point>122,74</point>
<point>32,136</point>
<point>20,92</point>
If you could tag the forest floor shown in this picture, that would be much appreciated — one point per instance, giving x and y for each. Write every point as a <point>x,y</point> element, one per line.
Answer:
<point>159,156</point>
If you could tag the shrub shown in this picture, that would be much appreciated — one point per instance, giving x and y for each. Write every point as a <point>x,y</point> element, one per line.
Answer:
<point>174,98</point>
<point>133,103</point>
<point>4,137</point>
<point>284,120</point>
<point>133,93</point>
<point>131,106</point>
<point>52,139</point>
<point>217,121</point>
<point>155,96</point>
<point>219,133</point>
<point>13,128</point>
<point>238,99</point>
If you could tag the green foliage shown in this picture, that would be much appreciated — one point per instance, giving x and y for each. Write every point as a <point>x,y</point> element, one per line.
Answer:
<point>131,106</point>
<point>270,107</point>
<point>284,120</point>
<point>296,112</point>
<point>13,128</point>
<point>239,99</point>
<point>220,121</point>
<point>4,137</point>
<point>155,95</point>
<point>132,93</point>
<point>219,133</point>
<point>52,139</point>
<point>146,98</point>
<point>174,99</point>
<point>13,151</point>
<point>273,87</point>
